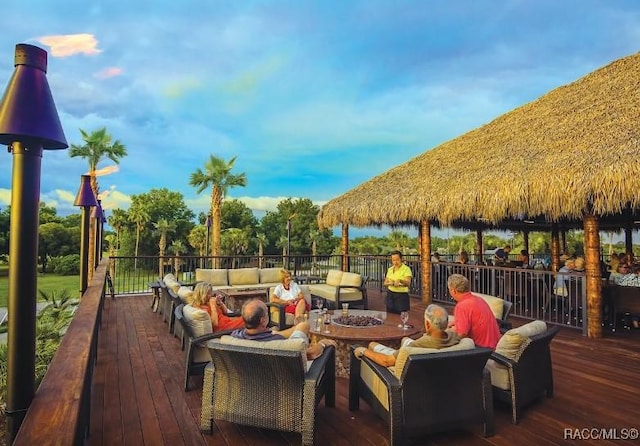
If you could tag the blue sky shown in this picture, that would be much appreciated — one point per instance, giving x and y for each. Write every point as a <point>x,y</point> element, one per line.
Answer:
<point>313,97</point>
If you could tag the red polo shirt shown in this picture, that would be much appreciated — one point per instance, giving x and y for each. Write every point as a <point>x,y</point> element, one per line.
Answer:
<point>474,317</point>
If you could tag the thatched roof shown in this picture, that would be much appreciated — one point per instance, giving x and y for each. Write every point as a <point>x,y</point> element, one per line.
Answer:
<point>575,147</point>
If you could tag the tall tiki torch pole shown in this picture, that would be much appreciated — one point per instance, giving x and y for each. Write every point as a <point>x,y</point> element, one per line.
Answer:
<point>29,123</point>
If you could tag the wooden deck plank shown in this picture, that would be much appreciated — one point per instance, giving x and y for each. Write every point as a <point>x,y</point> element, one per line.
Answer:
<point>127,352</point>
<point>141,362</point>
<point>595,386</point>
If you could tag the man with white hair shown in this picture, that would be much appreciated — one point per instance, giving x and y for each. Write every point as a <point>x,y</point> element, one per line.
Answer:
<point>436,336</point>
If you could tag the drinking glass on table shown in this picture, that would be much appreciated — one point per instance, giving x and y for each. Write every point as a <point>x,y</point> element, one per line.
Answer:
<point>404,317</point>
<point>327,322</point>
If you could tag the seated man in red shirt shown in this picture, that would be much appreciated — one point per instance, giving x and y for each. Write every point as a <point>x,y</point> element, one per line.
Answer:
<point>472,316</point>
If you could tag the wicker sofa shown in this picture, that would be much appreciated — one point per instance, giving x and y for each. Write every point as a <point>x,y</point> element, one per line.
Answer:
<point>239,278</point>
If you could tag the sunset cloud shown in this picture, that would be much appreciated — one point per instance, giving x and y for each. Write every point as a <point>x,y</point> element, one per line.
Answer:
<point>71,44</point>
<point>109,72</point>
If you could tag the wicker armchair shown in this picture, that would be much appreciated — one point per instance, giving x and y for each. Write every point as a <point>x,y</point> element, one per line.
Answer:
<point>245,376</point>
<point>435,392</point>
<point>520,380</point>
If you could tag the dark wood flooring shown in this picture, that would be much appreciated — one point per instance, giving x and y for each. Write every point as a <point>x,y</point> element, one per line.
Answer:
<point>138,397</point>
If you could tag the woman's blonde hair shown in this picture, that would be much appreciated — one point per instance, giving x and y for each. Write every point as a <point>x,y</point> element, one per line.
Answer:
<point>200,295</point>
<point>283,274</point>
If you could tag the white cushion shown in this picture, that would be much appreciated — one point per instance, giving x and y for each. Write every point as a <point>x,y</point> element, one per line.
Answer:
<point>333,277</point>
<point>351,279</point>
<point>375,384</point>
<point>511,342</point>
<point>184,293</point>
<point>499,375</point>
<point>200,323</point>
<point>495,303</point>
<point>244,276</point>
<point>405,352</point>
<point>217,277</point>
<point>269,275</point>
<point>510,346</point>
<point>278,344</point>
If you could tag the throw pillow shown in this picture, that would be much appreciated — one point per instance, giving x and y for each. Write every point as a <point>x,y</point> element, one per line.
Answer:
<point>512,342</point>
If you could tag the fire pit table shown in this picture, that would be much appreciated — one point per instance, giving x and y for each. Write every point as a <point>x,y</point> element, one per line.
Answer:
<point>360,327</point>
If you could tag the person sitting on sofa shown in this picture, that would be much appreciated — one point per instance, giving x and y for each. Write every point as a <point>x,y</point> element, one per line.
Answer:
<point>202,297</point>
<point>289,293</point>
<point>436,336</point>
<point>473,317</point>
<point>256,318</point>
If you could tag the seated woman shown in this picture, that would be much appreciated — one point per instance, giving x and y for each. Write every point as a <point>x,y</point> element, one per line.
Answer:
<point>523,257</point>
<point>203,298</point>
<point>289,293</point>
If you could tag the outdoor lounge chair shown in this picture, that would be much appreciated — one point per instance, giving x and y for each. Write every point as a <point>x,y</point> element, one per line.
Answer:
<point>521,368</point>
<point>430,392</point>
<point>250,374</point>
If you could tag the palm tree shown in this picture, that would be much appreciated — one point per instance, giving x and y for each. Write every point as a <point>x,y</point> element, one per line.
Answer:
<point>262,241</point>
<point>176,248</point>
<point>163,227</point>
<point>140,217</point>
<point>217,175</point>
<point>399,239</point>
<point>98,144</point>
<point>235,242</point>
<point>282,243</point>
<point>118,220</point>
<point>197,238</point>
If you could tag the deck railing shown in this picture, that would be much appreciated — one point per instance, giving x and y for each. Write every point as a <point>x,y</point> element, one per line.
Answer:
<point>59,412</point>
<point>532,292</point>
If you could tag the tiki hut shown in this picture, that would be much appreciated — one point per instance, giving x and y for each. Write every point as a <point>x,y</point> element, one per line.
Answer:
<point>570,159</point>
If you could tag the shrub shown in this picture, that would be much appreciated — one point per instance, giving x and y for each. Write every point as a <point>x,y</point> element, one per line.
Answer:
<point>51,324</point>
<point>68,265</point>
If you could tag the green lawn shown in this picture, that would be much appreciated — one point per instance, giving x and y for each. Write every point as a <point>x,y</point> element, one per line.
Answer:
<point>46,283</point>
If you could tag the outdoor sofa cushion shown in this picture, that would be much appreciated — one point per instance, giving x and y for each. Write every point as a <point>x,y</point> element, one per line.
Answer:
<point>216,277</point>
<point>495,303</point>
<point>269,275</point>
<point>282,344</point>
<point>184,293</point>
<point>243,276</point>
<point>200,323</point>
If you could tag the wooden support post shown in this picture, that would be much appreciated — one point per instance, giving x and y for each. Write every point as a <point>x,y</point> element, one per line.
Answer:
<point>593,275</point>
<point>425,260</point>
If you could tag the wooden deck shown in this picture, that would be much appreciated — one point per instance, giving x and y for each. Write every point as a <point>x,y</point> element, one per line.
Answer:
<point>138,398</point>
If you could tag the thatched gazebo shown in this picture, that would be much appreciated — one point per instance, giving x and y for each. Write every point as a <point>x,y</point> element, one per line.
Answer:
<point>570,159</point>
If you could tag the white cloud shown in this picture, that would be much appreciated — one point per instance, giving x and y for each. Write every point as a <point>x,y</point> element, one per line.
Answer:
<point>116,200</point>
<point>5,197</point>
<point>71,44</point>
